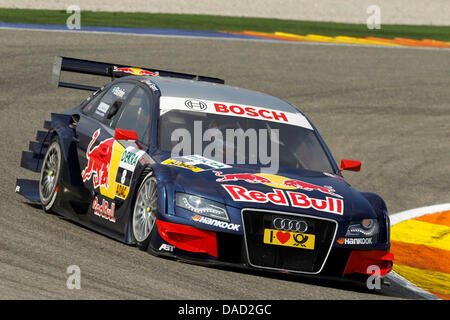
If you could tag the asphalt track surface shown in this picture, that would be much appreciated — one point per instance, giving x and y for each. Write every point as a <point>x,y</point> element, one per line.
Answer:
<point>389,108</point>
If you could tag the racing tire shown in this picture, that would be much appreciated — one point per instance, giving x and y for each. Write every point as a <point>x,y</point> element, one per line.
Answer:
<point>144,211</point>
<point>50,176</point>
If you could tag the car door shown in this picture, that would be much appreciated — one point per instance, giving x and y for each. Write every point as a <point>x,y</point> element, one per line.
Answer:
<point>108,163</point>
<point>137,115</point>
<point>134,116</point>
<point>97,148</point>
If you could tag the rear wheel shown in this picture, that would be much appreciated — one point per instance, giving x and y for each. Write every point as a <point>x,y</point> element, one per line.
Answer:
<point>144,211</point>
<point>50,176</point>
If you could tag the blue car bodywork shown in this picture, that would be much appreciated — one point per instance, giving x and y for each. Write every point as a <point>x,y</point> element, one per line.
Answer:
<point>101,175</point>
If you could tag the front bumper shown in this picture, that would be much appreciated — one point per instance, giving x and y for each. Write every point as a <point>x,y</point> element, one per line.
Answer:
<point>369,262</point>
<point>219,248</point>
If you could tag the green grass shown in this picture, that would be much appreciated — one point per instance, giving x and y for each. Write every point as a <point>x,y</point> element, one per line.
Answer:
<point>205,22</point>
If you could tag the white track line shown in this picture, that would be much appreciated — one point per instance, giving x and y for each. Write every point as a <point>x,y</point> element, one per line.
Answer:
<point>418,212</point>
<point>406,215</point>
<point>398,279</point>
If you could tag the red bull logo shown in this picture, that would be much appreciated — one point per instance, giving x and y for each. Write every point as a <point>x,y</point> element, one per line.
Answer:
<point>275,181</point>
<point>103,210</point>
<point>247,177</point>
<point>99,160</point>
<point>285,198</point>
<point>298,184</point>
<point>135,71</point>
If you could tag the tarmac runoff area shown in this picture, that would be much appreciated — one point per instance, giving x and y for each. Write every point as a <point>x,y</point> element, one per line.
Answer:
<point>421,247</point>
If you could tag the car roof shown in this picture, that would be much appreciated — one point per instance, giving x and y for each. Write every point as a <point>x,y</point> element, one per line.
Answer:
<point>193,89</point>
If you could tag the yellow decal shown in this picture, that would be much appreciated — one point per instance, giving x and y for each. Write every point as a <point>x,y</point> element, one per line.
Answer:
<point>118,149</point>
<point>276,181</point>
<point>172,162</point>
<point>289,239</point>
<point>121,191</point>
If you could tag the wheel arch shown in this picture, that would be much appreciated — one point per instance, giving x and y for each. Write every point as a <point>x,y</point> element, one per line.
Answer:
<point>62,127</point>
<point>141,172</point>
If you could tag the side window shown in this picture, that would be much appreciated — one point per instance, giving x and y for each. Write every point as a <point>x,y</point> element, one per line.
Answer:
<point>90,105</point>
<point>137,115</point>
<point>111,101</point>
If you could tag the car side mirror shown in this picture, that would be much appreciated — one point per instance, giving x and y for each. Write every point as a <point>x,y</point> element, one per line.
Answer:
<point>351,165</point>
<point>122,134</point>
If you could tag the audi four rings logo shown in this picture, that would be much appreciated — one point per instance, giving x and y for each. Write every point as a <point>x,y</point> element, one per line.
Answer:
<point>195,105</point>
<point>290,225</point>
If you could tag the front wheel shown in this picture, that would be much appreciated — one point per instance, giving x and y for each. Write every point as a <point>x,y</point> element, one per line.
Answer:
<point>144,211</point>
<point>50,176</point>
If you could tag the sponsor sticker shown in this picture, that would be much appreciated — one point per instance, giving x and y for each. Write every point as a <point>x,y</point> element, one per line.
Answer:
<point>355,241</point>
<point>166,247</point>
<point>176,163</point>
<point>124,176</point>
<point>125,171</point>
<point>289,239</point>
<point>103,210</point>
<point>150,84</point>
<point>110,166</point>
<point>216,223</point>
<point>102,108</point>
<point>130,158</point>
<point>200,160</point>
<point>118,92</point>
<point>99,160</point>
<point>232,109</point>
<point>121,191</point>
<point>195,163</point>
<point>135,71</point>
<point>275,181</point>
<point>285,198</point>
<point>195,105</point>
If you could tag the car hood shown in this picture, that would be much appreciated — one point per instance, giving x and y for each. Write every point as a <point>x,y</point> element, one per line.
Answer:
<point>291,190</point>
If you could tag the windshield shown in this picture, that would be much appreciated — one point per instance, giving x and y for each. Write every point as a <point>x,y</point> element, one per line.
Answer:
<point>241,140</point>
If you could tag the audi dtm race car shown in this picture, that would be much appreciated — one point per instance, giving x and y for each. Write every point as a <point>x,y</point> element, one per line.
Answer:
<point>185,166</point>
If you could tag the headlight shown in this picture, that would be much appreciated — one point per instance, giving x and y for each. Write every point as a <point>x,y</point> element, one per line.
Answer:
<point>202,206</point>
<point>365,228</point>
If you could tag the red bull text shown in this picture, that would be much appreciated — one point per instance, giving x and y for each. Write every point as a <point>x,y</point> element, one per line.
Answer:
<point>103,210</point>
<point>286,198</point>
<point>291,183</point>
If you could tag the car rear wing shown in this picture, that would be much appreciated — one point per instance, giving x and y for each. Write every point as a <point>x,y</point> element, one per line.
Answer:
<point>111,70</point>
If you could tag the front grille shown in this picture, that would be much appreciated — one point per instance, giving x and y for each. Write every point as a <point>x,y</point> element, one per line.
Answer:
<point>281,257</point>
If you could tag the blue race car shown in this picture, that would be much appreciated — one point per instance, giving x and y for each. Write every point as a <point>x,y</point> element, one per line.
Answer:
<point>185,166</point>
